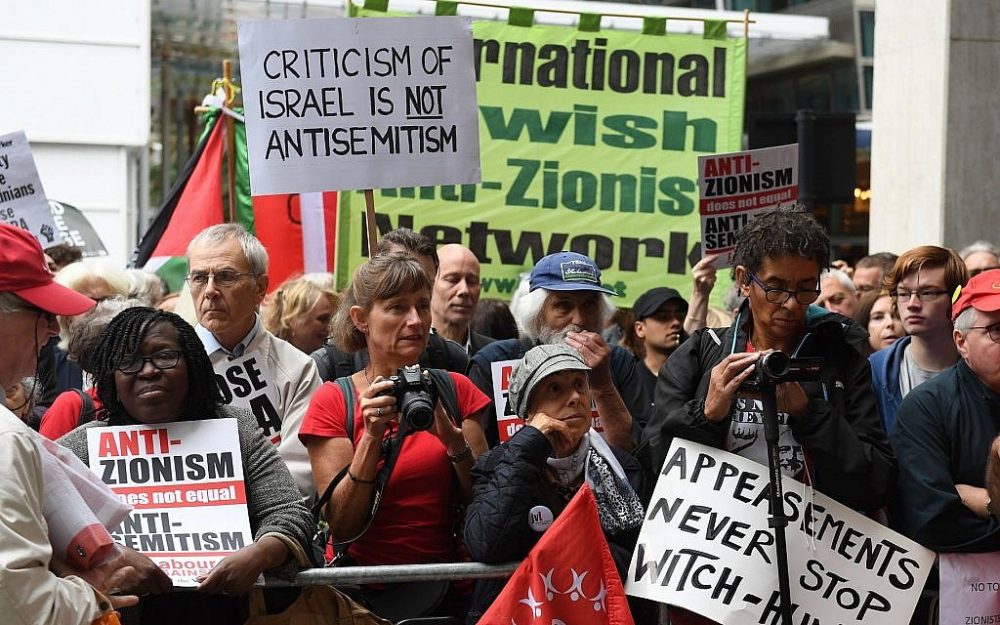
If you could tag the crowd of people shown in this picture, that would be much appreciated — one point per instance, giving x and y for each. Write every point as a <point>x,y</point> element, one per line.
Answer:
<point>382,409</point>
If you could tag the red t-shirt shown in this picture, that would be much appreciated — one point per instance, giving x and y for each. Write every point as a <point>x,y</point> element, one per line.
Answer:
<point>63,415</point>
<point>414,522</point>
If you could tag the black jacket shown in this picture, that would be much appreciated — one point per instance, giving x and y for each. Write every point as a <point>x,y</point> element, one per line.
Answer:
<point>841,431</point>
<point>478,341</point>
<point>508,482</point>
<point>942,435</point>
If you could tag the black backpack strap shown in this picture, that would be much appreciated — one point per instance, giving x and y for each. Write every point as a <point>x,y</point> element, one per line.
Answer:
<point>323,357</point>
<point>447,393</point>
<point>86,408</point>
<point>347,388</point>
<point>442,353</point>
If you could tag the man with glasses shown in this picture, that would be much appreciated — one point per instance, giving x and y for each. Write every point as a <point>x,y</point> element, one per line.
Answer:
<point>829,428</point>
<point>921,283</point>
<point>227,275</point>
<point>944,432</point>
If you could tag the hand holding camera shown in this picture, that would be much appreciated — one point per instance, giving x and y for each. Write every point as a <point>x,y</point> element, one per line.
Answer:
<point>725,381</point>
<point>378,407</point>
<point>750,371</point>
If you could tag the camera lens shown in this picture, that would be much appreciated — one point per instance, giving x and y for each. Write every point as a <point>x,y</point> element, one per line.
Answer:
<point>775,364</point>
<point>418,410</point>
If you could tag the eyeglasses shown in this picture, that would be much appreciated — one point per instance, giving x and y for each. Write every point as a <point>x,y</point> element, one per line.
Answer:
<point>992,330</point>
<point>162,360</point>
<point>222,279</point>
<point>778,296</point>
<point>923,296</point>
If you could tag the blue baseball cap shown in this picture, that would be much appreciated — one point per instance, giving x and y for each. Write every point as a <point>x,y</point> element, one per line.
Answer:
<point>567,271</point>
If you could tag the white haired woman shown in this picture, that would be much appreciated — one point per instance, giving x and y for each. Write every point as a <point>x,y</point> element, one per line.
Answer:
<point>521,486</point>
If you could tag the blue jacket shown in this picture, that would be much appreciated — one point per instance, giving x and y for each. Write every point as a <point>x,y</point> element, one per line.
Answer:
<point>885,380</point>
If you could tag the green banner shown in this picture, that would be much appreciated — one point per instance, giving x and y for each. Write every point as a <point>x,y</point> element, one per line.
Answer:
<point>589,142</point>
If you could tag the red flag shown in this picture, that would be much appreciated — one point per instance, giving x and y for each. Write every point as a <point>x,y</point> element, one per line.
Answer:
<point>569,576</point>
<point>296,241</point>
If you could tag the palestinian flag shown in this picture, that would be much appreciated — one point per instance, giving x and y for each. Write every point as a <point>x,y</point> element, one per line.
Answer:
<point>296,229</point>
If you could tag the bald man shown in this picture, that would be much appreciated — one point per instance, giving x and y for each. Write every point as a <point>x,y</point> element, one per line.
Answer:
<point>456,294</point>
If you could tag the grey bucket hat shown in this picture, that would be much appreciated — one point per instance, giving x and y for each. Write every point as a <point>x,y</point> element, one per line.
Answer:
<point>539,363</point>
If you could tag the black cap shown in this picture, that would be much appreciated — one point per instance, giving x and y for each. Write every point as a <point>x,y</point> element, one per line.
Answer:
<point>650,301</point>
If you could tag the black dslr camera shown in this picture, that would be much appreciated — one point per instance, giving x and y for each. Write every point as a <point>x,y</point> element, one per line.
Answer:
<point>776,367</point>
<point>415,395</point>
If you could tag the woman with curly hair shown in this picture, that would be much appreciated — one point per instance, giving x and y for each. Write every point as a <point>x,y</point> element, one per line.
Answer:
<point>151,368</point>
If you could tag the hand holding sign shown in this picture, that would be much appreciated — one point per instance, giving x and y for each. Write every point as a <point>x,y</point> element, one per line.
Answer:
<point>146,577</point>
<point>108,578</point>
<point>237,573</point>
<point>703,274</point>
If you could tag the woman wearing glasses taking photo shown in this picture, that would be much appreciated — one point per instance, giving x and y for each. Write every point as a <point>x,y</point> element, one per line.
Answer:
<point>830,428</point>
<point>150,368</point>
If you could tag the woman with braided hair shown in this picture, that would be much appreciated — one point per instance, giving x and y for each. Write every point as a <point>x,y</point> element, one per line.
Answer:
<point>150,368</point>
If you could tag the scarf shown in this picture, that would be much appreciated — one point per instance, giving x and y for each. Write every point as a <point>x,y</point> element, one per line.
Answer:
<point>618,506</point>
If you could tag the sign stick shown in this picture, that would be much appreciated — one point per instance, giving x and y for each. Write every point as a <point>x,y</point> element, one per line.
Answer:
<point>370,221</point>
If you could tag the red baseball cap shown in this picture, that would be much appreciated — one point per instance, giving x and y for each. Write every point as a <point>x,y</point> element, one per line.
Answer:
<point>982,293</point>
<point>24,273</point>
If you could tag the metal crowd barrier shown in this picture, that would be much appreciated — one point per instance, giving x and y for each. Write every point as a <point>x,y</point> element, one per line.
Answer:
<point>351,575</point>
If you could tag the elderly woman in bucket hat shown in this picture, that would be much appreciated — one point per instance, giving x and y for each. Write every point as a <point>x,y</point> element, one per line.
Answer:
<point>521,486</point>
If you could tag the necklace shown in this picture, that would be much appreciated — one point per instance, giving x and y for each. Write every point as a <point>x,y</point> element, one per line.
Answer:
<point>365,373</point>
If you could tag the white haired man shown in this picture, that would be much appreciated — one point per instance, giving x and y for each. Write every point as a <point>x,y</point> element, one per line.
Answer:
<point>837,292</point>
<point>980,256</point>
<point>227,275</point>
<point>566,303</point>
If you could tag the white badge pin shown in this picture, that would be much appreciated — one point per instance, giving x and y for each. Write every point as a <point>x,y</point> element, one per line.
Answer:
<point>539,518</point>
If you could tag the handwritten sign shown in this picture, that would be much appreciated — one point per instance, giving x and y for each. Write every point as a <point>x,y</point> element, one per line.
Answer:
<point>359,103</point>
<point>22,199</point>
<point>706,546</point>
<point>185,483</point>
<point>246,382</point>
<point>734,187</point>
<point>970,588</point>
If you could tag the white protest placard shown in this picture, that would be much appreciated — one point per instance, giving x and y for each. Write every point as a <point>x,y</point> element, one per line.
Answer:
<point>734,187</point>
<point>706,546</point>
<point>22,199</point>
<point>970,588</point>
<point>345,104</point>
<point>246,382</point>
<point>508,423</point>
<point>185,483</point>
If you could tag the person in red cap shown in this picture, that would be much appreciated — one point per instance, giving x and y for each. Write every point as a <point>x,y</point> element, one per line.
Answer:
<point>29,590</point>
<point>943,432</point>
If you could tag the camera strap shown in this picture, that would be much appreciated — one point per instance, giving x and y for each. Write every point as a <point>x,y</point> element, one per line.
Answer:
<point>390,450</point>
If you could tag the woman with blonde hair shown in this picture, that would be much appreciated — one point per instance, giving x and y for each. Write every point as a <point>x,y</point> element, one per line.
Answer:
<point>300,312</point>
